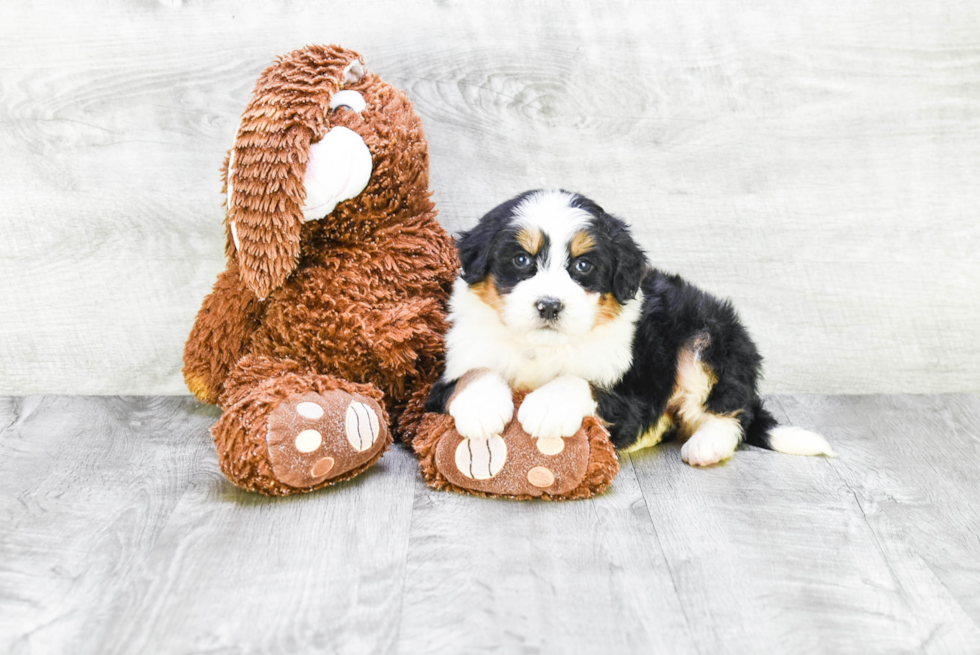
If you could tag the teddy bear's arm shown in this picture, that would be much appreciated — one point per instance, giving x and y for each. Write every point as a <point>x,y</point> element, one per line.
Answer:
<point>222,332</point>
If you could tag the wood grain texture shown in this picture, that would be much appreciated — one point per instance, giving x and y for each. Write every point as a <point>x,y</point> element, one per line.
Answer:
<point>815,163</point>
<point>121,536</point>
<point>87,486</point>
<point>912,464</point>
<point>791,554</point>
<point>305,574</point>
<point>501,576</point>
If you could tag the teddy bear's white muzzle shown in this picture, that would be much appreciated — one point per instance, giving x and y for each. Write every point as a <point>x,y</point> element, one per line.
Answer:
<point>339,168</point>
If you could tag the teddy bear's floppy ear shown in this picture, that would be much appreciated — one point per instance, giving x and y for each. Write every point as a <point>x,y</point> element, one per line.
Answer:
<point>265,186</point>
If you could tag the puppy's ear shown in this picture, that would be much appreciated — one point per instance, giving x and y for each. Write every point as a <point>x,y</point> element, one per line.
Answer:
<point>474,252</point>
<point>630,264</point>
<point>475,247</point>
<point>265,171</point>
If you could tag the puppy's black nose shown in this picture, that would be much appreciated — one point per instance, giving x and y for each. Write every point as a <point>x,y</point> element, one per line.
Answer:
<point>549,308</point>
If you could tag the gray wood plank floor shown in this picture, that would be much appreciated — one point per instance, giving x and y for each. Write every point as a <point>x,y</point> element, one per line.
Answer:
<point>120,535</point>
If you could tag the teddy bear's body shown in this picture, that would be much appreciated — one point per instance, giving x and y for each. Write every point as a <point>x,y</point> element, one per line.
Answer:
<point>320,331</point>
<point>369,312</point>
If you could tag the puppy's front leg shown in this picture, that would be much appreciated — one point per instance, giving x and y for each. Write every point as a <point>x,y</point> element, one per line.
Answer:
<point>482,405</point>
<point>557,408</point>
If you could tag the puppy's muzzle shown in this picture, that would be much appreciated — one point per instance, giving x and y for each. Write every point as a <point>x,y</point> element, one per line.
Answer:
<point>549,308</point>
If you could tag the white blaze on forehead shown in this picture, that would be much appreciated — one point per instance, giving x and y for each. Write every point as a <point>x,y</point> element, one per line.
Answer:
<point>553,214</point>
<point>339,168</point>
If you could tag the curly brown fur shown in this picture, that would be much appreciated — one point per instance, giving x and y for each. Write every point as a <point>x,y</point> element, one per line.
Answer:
<point>224,328</point>
<point>357,297</point>
<point>410,425</point>
<point>289,111</point>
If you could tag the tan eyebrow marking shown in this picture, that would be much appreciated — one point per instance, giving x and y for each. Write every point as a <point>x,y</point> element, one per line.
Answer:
<point>581,243</point>
<point>530,239</point>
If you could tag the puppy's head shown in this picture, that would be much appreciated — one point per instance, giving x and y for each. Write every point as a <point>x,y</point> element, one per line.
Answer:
<point>552,264</point>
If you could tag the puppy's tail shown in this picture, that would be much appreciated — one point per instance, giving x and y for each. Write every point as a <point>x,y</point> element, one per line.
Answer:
<point>765,432</point>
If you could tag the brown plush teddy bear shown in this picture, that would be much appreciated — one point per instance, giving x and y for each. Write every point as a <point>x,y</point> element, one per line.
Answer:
<point>514,464</point>
<point>330,315</point>
<point>325,332</point>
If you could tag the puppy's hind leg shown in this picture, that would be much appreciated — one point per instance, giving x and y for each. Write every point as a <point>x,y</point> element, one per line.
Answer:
<point>712,436</point>
<point>714,440</point>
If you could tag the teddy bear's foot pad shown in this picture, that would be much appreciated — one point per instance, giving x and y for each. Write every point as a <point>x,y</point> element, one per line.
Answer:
<point>514,463</point>
<point>314,437</point>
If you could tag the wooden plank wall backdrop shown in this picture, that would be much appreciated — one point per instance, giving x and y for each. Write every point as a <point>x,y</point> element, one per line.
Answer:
<point>817,162</point>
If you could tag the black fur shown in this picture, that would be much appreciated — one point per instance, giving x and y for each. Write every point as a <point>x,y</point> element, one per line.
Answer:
<point>626,262</point>
<point>481,247</point>
<point>674,315</point>
<point>757,433</point>
<point>490,247</point>
<point>439,396</point>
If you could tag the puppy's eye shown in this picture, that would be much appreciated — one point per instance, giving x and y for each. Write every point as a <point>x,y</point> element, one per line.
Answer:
<point>522,260</point>
<point>583,266</point>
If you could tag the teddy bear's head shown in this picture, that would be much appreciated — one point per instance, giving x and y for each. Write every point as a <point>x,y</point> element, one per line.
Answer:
<point>323,140</point>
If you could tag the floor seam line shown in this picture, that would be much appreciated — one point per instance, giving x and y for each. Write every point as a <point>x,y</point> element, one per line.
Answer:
<point>663,554</point>
<point>408,546</point>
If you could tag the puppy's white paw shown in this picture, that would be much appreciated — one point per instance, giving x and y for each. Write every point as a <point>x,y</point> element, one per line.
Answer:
<point>557,408</point>
<point>714,441</point>
<point>483,408</point>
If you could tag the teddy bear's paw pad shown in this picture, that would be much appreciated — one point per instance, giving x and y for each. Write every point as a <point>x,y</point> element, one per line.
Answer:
<point>361,426</point>
<point>541,477</point>
<point>313,437</point>
<point>550,445</point>
<point>481,459</point>
<point>514,463</point>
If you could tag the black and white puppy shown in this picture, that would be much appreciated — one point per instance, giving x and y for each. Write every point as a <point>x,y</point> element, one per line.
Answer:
<point>556,297</point>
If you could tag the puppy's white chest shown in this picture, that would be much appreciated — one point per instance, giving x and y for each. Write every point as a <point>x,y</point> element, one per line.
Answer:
<point>535,366</point>
<point>531,353</point>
